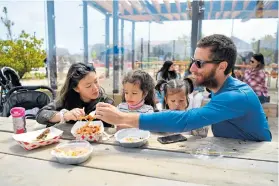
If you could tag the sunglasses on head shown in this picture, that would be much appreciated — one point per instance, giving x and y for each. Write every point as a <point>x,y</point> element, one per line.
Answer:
<point>200,63</point>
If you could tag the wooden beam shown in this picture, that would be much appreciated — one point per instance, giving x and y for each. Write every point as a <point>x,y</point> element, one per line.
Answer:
<point>177,2</point>
<point>222,5</point>
<point>189,7</point>
<point>105,5</point>
<point>245,4</point>
<point>210,11</point>
<point>126,6</point>
<point>268,4</point>
<point>226,14</point>
<point>234,4</point>
<point>156,5</point>
<point>153,17</point>
<point>235,14</point>
<point>169,16</point>
<point>136,5</point>
<point>167,3</point>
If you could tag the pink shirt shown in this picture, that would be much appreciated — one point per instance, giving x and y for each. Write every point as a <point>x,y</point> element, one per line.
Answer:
<point>256,80</point>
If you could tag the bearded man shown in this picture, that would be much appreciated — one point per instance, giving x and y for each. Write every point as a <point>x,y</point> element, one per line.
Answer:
<point>234,110</point>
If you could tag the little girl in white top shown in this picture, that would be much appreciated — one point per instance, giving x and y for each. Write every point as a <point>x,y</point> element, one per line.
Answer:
<point>138,93</point>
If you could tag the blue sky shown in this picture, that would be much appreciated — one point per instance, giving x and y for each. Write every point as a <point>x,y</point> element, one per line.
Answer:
<point>30,16</point>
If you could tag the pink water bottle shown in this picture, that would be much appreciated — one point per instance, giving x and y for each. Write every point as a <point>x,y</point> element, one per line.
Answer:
<point>18,114</point>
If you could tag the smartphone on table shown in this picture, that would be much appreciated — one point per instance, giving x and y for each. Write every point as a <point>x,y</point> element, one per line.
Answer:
<point>171,139</point>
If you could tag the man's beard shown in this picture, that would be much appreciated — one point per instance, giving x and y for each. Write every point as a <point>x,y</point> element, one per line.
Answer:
<point>209,81</point>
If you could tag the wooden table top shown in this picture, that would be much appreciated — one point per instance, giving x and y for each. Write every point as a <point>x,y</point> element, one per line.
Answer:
<point>241,163</point>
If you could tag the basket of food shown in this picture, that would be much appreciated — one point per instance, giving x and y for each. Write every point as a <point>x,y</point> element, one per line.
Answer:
<point>88,130</point>
<point>73,152</point>
<point>132,137</point>
<point>36,139</point>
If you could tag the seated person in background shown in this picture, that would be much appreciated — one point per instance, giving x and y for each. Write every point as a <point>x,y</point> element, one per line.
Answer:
<point>255,77</point>
<point>78,97</point>
<point>167,72</point>
<point>177,98</point>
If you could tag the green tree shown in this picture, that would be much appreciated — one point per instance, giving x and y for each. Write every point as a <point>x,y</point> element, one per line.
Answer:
<point>22,53</point>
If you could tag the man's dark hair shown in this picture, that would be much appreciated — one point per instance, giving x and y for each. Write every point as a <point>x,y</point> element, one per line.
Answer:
<point>222,48</point>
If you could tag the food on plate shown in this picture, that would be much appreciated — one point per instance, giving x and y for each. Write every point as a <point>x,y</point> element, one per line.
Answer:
<point>88,117</point>
<point>88,129</point>
<point>131,139</point>
<point>73,151</point>
<point>43,135</point>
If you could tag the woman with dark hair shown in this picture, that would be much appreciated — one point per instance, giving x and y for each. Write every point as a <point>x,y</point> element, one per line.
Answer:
<point>255,77</point>
<point>167,72</point>
<point>78,97</point>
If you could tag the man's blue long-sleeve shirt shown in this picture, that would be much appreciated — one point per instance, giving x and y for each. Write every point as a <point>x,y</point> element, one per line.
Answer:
<point>234,112</point>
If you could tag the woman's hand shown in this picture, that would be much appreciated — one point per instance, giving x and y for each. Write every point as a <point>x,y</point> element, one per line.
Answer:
<point>74,114</point>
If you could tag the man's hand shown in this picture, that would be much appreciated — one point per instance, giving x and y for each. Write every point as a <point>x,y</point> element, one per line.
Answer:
<point>109,113</point>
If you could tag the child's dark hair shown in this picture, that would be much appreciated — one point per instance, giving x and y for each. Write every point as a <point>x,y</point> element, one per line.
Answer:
<point>146,85</point>
<point>176,85</point>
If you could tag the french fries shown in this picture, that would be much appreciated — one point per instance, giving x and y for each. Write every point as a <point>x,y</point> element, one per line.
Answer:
<point>88,117</point>
<point>88,129</point>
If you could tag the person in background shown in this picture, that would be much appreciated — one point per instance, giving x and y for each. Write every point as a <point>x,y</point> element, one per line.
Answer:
<point>234,110</point>
<point>167,72</point>
<point>255,77</point>
<point>78,97</point>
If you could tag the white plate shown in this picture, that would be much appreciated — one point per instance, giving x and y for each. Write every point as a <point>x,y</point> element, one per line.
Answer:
<point>28,140</point>
<point>65,159</point>
<point>139,137</point>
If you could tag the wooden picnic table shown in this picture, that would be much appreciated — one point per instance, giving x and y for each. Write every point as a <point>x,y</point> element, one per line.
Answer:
<point>234,162</point>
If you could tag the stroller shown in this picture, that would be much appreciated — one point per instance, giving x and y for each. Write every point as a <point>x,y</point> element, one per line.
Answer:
<point>14,95</point>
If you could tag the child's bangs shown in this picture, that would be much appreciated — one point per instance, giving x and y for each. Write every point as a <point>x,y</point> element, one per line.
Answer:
<point>172,91</point>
